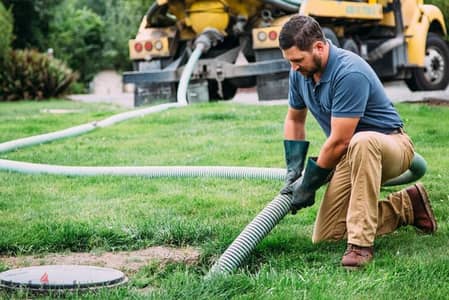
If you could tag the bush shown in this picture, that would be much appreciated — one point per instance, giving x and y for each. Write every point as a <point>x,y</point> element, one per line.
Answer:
<point>28,74</point>
<point>6,26</point>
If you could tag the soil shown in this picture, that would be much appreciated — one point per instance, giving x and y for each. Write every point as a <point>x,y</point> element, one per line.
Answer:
<point>126,261</point>
<point>432,102</point>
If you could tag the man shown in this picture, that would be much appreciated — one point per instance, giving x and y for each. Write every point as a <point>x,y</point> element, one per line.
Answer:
<point>365,146</point>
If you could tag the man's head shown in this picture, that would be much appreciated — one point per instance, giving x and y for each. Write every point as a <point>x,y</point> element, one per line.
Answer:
<point>303,44</point>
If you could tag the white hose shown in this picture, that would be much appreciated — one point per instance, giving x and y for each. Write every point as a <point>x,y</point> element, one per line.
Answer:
<point>187,72</point>
<point>81,129</point>
<point>43,138</point>
<point>147,171</point>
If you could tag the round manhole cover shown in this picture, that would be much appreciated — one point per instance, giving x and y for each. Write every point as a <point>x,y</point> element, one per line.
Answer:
<point>61,277</point>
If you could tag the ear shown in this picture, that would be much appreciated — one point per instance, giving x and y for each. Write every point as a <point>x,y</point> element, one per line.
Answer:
<point>318,46</point>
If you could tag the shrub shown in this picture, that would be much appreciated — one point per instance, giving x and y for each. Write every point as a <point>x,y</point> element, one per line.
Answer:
<point>6,26</point>
<point>28,74</point>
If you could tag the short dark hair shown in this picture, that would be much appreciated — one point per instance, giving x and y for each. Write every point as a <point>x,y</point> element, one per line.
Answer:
<point>300,31</point>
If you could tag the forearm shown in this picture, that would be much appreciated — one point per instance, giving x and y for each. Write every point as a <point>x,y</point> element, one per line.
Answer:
<point>342,131</point>
<point>293,131</point>
<point>294,125</point>
<point>331,153</point>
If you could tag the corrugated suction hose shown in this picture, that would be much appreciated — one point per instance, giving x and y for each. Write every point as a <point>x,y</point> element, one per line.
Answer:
<point>253,233</point>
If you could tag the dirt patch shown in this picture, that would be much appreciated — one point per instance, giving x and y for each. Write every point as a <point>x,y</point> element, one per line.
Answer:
<point>126,261</point>
<point>431,102</point>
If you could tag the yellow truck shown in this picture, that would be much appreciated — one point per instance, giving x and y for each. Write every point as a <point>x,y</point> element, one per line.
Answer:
<point>401,39</point>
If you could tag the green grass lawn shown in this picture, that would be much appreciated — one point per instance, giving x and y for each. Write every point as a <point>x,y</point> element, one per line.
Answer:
<point>47,213</point>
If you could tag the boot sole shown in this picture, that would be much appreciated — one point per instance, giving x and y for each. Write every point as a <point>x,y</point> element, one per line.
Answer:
<point>428,208</point>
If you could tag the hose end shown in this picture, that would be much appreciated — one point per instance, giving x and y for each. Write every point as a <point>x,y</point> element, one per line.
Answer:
<point>210,37</point>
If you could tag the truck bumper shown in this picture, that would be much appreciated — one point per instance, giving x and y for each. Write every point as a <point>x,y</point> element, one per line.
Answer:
<point>209,69</point>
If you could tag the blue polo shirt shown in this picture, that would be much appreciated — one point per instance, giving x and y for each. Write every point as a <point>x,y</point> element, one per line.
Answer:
<point>348,87</point>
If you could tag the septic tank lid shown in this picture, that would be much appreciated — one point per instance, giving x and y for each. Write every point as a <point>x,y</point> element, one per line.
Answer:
<point>61,277</point>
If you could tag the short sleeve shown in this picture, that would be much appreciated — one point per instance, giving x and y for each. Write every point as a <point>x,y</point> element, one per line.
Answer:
<point>351,93</point>
<point>295,98</point>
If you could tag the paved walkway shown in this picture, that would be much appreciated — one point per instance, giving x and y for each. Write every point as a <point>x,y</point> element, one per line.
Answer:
<point>397,91</point>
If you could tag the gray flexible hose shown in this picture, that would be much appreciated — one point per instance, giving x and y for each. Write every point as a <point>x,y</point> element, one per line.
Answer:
<point>147,171</point>
<point>81,129</point>
<point>253,233</point>
<point>187,72</point>
<point>416,170</point>
<point>43,138</point>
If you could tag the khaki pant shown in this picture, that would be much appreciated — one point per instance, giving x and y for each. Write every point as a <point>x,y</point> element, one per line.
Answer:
<point>350,207</point>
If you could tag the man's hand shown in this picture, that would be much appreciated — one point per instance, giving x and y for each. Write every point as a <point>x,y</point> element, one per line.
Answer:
<point>301,197</point>
<point>304,189</point>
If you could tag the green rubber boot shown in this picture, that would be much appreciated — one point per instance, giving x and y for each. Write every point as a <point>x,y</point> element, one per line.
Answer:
<point>295,156</point>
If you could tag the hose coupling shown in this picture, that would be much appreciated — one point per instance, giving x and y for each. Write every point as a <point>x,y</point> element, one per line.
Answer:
<point>210,37</point>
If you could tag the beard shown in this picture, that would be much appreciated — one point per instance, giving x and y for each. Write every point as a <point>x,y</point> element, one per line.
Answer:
<point>316,68</point>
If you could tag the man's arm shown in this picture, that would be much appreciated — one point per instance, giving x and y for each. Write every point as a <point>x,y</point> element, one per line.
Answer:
<point>342,130</point>
<point>294,125</point>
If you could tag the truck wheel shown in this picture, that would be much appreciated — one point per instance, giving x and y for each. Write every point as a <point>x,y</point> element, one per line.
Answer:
<point>229,90</point>
<point>435,74</point>
<point>272,86</point>
<point>330,35</point>
<point>351,45</point>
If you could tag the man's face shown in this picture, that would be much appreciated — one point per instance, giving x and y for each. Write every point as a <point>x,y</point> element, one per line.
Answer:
<point>306,62</point>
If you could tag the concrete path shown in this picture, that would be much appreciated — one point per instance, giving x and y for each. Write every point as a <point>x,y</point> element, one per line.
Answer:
<point>396,90</point>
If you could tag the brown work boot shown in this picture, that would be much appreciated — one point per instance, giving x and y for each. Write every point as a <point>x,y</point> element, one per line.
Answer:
<point>356,257</point>
<point>424,219</point>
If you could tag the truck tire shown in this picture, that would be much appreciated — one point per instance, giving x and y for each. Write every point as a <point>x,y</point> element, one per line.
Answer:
<point>435,74</point>
<point>229,90</point>
<point>330,35</point>
<point>272,86</point>
<point>351,45</point>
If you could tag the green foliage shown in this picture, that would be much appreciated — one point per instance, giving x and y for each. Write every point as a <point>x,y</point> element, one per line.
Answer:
<point>122,19</point>
<point>28,74</point>
<point>6,26</point>
<point>93,35</point>
<point>31,22</point>
<point>89,35</point>
<point>77,37</point>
